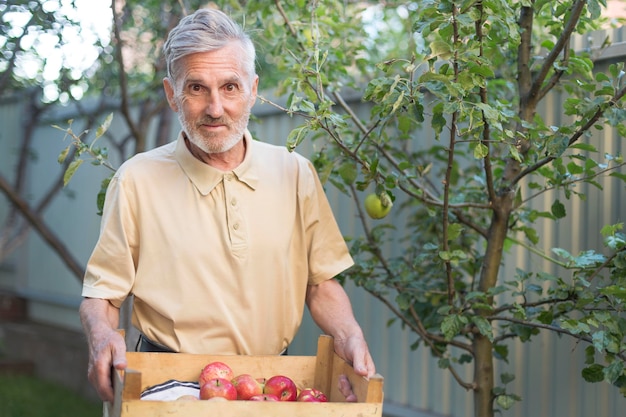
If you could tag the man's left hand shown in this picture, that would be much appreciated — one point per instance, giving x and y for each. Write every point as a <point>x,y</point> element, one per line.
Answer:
<point>355,351</point>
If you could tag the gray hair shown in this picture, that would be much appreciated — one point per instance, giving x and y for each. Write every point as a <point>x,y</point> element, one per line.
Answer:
<point>206,30</point>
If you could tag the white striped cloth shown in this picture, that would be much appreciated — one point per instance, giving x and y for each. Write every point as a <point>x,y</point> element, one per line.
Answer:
<point>170,390</point>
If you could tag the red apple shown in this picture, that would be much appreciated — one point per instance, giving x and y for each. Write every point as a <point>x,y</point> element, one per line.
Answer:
<point>282,387</point>
<point>312,395</point>
<point>264,397</point>
<point>218,387</point>
<point>215,370</point>
<point>218,399</point>
<point>247,386</point>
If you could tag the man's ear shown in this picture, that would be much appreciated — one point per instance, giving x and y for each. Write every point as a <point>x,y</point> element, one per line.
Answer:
<point>254,89</point>
<point>169,94</point>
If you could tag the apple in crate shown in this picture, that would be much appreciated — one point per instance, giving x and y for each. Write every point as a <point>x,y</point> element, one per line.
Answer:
<point>247,386</point>
<point>218,387</point>
<point>215,370</point>
<point>264,397</point>
<point>312,395</point>
<point>281,386</point>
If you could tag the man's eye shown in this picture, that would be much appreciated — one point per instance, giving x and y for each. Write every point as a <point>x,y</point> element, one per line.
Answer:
<point>195,88</point>
<point>230,87</point>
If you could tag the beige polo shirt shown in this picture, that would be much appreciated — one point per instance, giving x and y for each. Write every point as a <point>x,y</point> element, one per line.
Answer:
<point>218,262</point>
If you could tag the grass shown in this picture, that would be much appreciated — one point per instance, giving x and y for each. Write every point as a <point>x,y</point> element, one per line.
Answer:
<point>27,396</point>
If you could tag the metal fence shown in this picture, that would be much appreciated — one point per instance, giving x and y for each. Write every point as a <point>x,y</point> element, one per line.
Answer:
<point>547,370</point>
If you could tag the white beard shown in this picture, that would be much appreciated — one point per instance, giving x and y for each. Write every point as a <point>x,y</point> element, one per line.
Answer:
<point>209,143</point>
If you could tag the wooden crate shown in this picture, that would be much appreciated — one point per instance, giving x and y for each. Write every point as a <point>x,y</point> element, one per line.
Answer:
<point>321,372</point>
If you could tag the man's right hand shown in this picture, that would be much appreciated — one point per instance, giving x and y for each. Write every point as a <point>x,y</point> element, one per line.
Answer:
<point>107,348</point>
<point>106,354</point>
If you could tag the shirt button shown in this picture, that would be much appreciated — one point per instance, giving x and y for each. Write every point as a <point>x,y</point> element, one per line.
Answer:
<point>228,177</point>
<point>236,226</point>
<point>233,202</point>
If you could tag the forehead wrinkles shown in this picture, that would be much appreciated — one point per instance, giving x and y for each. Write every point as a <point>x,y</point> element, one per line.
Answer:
<point>230,57</point>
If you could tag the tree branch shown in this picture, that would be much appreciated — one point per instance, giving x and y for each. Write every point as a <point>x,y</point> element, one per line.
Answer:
<point>44,231</point>
<point>559,46</point>
<point>575,137</point>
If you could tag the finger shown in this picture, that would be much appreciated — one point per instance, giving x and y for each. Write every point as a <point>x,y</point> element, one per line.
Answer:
<point>369,364</point>
<point>361,362</point>
<point>115,359</point>
<point>119,362</point>
<point>346,389</point>
<point>104,385</point>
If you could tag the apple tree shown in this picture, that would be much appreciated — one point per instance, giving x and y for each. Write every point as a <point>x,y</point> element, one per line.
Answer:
<point>473,73</point>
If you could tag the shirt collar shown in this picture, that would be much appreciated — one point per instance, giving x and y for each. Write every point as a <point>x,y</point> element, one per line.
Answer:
<point>205,177</point>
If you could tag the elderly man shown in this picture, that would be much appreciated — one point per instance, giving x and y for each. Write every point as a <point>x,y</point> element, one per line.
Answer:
<point>221,239</point>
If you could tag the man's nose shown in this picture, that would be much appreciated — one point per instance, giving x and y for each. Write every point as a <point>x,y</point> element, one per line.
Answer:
<point>214,106</point>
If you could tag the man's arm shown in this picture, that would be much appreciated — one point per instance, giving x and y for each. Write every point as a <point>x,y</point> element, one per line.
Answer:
<point>331,310</point>
<point>107,347</point>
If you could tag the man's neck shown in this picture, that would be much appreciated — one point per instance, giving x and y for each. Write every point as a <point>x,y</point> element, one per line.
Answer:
<point>224,161</point>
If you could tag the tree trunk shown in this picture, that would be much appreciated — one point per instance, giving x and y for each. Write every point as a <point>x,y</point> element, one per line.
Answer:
<point>483,377</point>
<point>483,348</point>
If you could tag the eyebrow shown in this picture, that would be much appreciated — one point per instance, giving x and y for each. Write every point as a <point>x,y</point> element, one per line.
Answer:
<point>234,79</point>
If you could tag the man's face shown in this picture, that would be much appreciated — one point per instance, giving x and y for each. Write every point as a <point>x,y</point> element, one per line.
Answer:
<point>213,95</point>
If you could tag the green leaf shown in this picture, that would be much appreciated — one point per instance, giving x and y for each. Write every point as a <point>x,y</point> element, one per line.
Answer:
<point>593,373</point>
<point>501,352</point>
<point>102,194</point>
<point>615,291</point>
<point>598,341</point>
<point>465,358</point>
<point>440,49</point>
<point>589,258</point>
<point>348,172</point>
<point>483,326</point>
<point>454,230</point>
<point>443,363</point>
<point>618,175</point>
<point>63,155</point>
<point>438,120</point>
<point>452,325</point>
<point>563,253</point>
<point>590,355</point>
<point>71,169</point>
<point>506,377</point>
<point>104,126</point>
<point>574,168</point>
<point>531,234</point>
<point>558,210</point>
<point>575,326</point>
<point>404,301</point>
<point>489,111</point>
<point>482,70</point>
<point>505,401</point>
<point>481,151</point>
<point>295,137</point>
<point>545,317</point>
<point>584,147</point>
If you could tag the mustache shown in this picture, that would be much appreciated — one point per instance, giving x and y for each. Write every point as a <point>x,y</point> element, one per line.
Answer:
<point>213,121</point>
